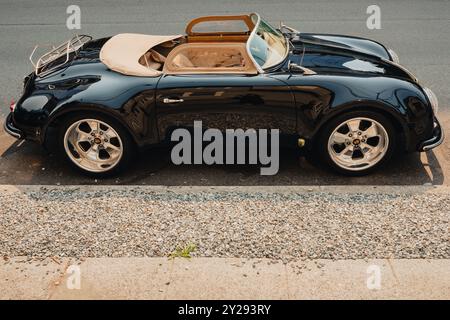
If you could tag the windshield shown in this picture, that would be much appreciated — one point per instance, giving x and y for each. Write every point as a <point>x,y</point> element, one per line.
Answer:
<point>267,46</point>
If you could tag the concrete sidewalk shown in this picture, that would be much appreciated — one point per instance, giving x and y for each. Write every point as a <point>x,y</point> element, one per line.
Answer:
<point>222,278</point>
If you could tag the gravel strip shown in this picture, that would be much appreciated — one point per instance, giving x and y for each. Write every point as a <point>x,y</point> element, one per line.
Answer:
<point>69,222</point>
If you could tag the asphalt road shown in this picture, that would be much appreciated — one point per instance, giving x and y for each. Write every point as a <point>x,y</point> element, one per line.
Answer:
<point>417,30</point>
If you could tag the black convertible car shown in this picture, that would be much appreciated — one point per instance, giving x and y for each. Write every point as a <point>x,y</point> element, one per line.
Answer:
<point>344,99</point>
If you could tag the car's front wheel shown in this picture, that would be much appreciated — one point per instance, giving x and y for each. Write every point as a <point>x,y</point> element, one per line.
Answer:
<point>356,143</point>
<point>95,144</point>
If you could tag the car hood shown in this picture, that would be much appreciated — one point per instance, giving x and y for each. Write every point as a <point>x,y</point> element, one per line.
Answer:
<point>356,44</point>
<point>345,55</point>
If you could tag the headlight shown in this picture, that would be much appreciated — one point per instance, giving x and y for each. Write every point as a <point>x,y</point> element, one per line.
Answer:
<point>394,56</point>
<point>433,99</point>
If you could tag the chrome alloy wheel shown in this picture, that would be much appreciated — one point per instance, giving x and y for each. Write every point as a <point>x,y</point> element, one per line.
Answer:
<point>93,145</point>
<point>358,144</point>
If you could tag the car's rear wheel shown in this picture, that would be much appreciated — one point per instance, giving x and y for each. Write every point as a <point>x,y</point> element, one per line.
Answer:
<point>95,144</point>
<point>356,143</point>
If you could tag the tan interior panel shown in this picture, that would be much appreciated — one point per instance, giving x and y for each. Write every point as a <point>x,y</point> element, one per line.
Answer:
<point>218,38</point>
<point>209,58</point>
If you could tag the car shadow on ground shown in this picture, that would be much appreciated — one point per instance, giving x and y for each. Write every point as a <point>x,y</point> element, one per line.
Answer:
<point>26,163</point>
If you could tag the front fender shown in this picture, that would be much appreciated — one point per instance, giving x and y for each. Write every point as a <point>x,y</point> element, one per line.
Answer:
<point>322,97</point>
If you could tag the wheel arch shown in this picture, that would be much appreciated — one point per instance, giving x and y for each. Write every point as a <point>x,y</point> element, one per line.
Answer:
<point>61,114</point>
<point>388,111</point>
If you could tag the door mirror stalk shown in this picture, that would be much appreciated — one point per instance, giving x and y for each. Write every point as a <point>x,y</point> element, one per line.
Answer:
<point>293,67</point>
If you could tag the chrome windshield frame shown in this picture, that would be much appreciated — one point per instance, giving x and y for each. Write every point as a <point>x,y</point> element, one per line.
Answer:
<point>252,35</point>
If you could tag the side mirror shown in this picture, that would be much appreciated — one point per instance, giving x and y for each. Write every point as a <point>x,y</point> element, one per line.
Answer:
<point>286,29</point>
<point>293,67</point>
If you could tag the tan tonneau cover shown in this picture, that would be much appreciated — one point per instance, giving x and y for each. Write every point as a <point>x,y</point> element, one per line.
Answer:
<point>121,53</point>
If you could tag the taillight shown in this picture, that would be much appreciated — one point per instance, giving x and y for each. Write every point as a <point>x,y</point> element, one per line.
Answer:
<point>12,105</point>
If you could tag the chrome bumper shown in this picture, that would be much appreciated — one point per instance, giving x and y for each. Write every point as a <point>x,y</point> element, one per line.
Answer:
<point>9,128</point>
<point>435,140</point>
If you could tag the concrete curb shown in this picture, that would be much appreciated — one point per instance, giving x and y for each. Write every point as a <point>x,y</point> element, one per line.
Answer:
<point>224,278</point>
<point>374,189</point>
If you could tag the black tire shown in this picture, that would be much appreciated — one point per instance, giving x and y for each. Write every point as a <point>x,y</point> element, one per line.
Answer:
<point>128,145</point>
<point>322,154</point>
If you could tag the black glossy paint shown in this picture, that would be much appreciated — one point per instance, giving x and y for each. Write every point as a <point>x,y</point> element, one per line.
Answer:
<point>226,101</point>
<point>351,73</point>
<point>346,42</point>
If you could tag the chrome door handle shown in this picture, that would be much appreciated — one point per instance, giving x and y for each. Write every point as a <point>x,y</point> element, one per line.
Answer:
<point>167,100</point>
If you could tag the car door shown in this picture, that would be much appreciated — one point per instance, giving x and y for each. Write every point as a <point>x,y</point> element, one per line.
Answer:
<point>226,101</point>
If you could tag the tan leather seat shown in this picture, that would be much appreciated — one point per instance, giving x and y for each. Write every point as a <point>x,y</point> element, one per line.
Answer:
<point>182,61</point>
<point>209,58</point>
